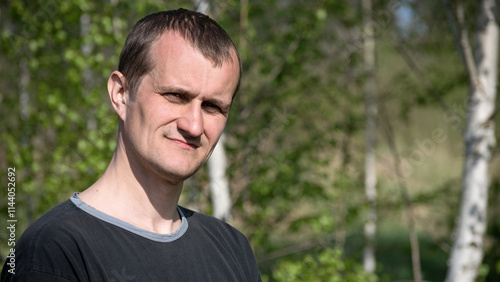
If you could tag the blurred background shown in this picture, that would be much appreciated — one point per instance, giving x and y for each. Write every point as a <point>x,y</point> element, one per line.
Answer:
<point>343,156</point>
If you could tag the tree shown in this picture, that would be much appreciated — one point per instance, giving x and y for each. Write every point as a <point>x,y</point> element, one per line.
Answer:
<point>369,260</point>
<point>219,184</point>
<point>481,66</point>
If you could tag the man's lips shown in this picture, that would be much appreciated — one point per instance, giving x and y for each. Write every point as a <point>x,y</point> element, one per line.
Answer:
<point>184,144</point>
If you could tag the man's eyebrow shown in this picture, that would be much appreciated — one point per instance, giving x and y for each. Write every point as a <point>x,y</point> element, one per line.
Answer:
<point>172,89</point>
<point>225,106</point>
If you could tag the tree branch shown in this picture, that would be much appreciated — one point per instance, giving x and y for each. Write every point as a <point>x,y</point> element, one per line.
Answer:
<point>278,68</point>
<point>461,37</point>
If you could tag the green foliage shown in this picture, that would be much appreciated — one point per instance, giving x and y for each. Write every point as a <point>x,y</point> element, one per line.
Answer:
<point>295,139</point>
<point>325,265</point>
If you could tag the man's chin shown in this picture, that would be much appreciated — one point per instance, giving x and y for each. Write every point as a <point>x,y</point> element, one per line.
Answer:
<point>178,176</point>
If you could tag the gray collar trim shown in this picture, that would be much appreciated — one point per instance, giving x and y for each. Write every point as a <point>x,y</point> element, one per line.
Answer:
<point>162,238</point>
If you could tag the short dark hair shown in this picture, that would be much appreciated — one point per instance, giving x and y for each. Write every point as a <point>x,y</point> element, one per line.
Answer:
<point>200,31</point>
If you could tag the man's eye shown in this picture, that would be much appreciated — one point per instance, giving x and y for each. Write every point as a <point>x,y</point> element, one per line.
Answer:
<point>173,96</point>
<point>211,107</point>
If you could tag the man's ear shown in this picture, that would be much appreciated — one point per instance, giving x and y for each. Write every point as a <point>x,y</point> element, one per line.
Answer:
<point>118,93</point>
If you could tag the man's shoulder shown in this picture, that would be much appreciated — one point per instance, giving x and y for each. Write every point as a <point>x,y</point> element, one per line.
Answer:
<point>198,218</point>
<point>54,228</point>
<point>56,219</point>
<point>217,237</point>
<point>206,224</point>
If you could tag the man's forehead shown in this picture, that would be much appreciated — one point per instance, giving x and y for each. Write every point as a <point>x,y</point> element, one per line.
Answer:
<point>174,42</point>
<point>170,41</point>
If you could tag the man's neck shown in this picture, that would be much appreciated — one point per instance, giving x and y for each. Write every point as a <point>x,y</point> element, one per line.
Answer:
<point>131,195</point>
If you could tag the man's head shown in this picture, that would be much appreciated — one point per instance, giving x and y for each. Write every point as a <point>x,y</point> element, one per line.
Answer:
<point>201,32</point>
<point>173,97</point>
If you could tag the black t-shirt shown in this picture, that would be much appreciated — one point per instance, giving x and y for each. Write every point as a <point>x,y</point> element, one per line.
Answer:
<point>75,242</point>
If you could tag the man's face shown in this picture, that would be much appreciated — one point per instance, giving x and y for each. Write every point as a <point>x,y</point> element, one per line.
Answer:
<point>179,111</point>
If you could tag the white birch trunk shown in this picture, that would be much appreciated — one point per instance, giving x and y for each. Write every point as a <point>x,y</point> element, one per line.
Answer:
<point>467,252</point>
<point>219,184</point>
<point>369,261</point>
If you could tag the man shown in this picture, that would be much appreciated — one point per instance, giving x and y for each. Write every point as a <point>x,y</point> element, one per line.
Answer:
<point>177,75</point>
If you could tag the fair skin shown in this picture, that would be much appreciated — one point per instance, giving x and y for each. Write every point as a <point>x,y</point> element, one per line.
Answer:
<point>165,134</point>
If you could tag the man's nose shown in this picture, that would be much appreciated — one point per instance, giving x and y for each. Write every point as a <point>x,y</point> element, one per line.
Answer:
<point>191,121</point>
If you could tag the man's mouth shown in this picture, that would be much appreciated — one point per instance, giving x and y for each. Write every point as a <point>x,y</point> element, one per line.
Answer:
<point>184,143</point>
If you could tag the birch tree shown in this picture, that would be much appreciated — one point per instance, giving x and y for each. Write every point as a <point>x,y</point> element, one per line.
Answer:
<point>219,185</point>
<point>369,260</point>
<point>481,65</point>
